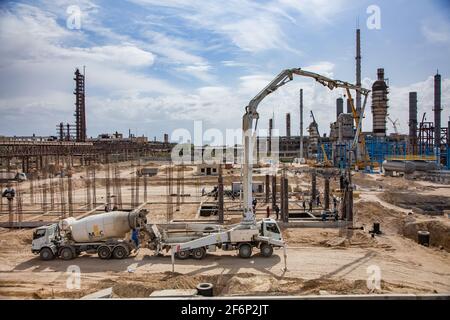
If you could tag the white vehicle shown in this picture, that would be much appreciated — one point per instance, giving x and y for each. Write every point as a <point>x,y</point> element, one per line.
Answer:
<point>198,239</point>
<point>9,176</point>
<point>107,234</point>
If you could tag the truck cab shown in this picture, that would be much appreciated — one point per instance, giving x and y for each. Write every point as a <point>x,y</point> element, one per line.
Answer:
<point>269,228</point>
<point>44,241</point>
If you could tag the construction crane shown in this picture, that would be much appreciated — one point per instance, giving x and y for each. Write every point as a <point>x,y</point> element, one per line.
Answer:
<point>251,115</point>
<point>394,124</point>
<point>326,161</point>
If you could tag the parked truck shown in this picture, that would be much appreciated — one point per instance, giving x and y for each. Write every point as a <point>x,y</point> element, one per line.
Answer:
<point>10,176</point>
<point>112,234</point>
<point>198,239</point>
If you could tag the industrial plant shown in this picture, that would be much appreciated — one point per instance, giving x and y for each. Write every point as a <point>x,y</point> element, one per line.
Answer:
<point>295,214</point>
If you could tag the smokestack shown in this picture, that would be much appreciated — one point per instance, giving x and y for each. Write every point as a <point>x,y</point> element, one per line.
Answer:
<point>358,68</point>
<point>379,105</point>
<point>413,121</point>
<point>437,110</point>
<point>269,147</point>
<point>448,133</point>
<point>339,107</point>
<point>80,107</point>
<point>349,107</point>
<point>288,125</point>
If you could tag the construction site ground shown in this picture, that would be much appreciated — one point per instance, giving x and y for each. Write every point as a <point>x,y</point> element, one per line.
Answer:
<point>319,261</point>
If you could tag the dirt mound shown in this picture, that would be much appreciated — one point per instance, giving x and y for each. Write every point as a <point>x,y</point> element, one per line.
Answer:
<point>439,232</point>
<point>366,213</point>
<point>15,238</point>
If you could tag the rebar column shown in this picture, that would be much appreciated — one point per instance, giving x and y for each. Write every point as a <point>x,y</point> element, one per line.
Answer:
<point>70,195</point>
<point>285,215</point>
<point>282,202</point>
<point>267,188</point>
<point>274,191</point>
<point>220,195</point>
<point>313,185</point>
<point>327,193</point>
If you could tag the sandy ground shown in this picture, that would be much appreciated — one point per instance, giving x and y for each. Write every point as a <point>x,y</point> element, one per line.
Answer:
<point>318,260</point>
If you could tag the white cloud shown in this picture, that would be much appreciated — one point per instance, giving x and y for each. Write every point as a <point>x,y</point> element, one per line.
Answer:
<point>255,34</point>
<point>317,10</point>
<point>199,70</point>
<point>436,31</point>
<point>249,26</point>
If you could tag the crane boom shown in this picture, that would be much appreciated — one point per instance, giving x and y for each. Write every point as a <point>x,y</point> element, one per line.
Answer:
<point>251,114</point>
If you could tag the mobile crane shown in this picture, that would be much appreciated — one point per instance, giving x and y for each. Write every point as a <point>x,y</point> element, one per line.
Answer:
<point>251,115</point>
<point>249,233</point>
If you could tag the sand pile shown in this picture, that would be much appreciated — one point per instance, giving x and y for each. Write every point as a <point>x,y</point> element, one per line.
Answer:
<point>366,213</point>
<point>15,238</point>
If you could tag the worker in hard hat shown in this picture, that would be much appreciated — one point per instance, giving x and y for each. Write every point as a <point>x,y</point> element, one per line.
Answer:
<point>9,193</point>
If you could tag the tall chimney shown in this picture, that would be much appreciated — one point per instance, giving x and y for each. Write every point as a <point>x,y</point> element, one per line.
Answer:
<point>339,107</point>
<point>358,69</point>
<point>379,105</point>
<point>437,110</point>
<point>349,107</point>
<point>288,125</point>
<point>80,106</point>
<point>269,147</point>
<point>413,122</point>
<point>448,133</point>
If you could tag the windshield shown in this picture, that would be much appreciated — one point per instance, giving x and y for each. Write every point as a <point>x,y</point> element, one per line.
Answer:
<point>272,227</point>
<point>39,233</point>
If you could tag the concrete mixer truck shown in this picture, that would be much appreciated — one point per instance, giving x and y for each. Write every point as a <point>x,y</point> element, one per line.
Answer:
<point>111,235</point>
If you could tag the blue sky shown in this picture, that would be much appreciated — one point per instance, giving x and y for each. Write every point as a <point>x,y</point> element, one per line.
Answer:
<point>154,66</point>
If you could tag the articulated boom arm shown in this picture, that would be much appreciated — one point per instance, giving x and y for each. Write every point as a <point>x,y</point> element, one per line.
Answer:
<point>251,113</point>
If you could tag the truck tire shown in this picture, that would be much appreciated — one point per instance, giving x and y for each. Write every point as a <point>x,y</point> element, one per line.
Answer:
<point>104,252</point>
<point>183,255</point>
<point>266,250</point>
<point>120,252</point>
<point>66,253</point>
<point>245,251</point>
<point>46,254</point>
<point>199,253</point>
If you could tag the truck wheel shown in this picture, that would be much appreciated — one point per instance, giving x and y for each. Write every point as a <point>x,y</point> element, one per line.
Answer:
<point>120,252</point>
<point>199,253</point>
<point>183,255</point>
<point>266,250</point>
<point>104,252</point>
<point>46,254</point>
<point>66,253</point>
<point>245,251</point>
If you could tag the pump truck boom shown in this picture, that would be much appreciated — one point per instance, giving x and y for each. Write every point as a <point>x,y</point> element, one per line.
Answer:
<point>251,114</point>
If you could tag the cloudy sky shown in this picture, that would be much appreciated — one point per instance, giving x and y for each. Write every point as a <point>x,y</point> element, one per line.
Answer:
<point>153,66</point>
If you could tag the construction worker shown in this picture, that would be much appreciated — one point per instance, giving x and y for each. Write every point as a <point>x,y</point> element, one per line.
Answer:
<point>9,192</point>
<point>310,205</point>
<point>277,210</point>
<point>304,205</point>
<point>318,200</point>
<point>254,203</point>
<point>334,202</point>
